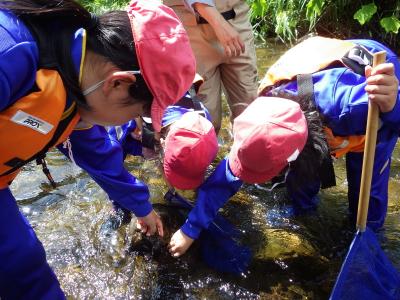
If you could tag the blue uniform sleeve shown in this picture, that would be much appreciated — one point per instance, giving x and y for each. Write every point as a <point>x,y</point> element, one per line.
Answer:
<point>102,157</point>
<point>340,96</point>
<point>122,134</point>
<point>392,118</point>
<point>211,196</point>
<point>19,57</point>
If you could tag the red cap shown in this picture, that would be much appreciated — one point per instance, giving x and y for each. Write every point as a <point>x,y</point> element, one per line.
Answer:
<point>270,133</point>
<point>165,57</point>
<point>190,147</point>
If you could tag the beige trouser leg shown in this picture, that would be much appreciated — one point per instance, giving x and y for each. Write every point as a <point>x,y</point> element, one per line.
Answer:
<point>238,75</point>
<point>210,94</point>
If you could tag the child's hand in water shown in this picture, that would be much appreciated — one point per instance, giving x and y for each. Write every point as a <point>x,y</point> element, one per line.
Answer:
<point>179,243</point>
<point>382,86</point>
<point>150,224</point>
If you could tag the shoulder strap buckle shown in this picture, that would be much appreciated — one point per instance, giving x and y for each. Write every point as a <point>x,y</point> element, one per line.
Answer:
<point>357,58</point>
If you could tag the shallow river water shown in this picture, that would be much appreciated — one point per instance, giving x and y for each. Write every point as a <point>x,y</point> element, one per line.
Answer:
<point>294,257</point>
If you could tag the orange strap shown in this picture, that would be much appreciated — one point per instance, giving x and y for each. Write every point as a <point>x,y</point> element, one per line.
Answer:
<point>340,145</point>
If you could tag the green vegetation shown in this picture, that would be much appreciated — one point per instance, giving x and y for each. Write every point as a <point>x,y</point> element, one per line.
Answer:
<point>99,6</point>
<point>291,19</point>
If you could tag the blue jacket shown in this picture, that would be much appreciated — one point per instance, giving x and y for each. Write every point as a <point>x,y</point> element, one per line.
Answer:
<point>93,149</point>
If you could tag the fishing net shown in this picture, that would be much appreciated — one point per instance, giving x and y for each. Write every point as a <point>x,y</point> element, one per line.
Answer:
<point>366,272</point>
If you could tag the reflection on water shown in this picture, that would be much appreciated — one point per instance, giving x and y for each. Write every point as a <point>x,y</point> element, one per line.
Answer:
<point>295,257</point>
<point>266,57</point>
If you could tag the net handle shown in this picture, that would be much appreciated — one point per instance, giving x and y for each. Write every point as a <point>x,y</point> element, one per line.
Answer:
<point>369,153</point>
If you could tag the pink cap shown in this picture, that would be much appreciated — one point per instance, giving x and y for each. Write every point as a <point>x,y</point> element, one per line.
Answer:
<point>269,134</point>
<point>163,50</point>
<point>190,147</point>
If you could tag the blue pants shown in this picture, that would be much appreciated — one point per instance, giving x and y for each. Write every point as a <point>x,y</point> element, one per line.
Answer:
<point>304,197</point>
<point>24,272</point>
<point>378,202</point>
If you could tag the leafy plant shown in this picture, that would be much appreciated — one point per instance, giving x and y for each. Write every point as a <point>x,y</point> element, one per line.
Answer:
<point>314,9</point>
<point>290,19</point>
<point>99,6</point>
<point>390,24</point>
<point>365,13</point>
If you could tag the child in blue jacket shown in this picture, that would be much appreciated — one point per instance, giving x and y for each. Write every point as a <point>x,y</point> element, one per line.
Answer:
<point>60,70</point>
<point>188,143</point>
<point>330,122</point>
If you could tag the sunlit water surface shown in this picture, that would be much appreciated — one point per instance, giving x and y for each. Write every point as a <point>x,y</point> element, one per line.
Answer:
<point>293,257</point>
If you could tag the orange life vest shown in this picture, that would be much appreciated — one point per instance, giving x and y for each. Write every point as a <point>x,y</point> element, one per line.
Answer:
<point>34,124</point>
<point>310,56</point>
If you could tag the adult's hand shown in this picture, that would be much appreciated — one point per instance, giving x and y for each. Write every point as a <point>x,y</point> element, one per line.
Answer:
<point>226,34</point>
<point>229,39</point>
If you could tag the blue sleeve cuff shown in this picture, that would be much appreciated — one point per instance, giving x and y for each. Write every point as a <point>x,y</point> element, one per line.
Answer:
<point>190,230</point>
<point>189,4</point>
<point>140,209</point>
<point>392,118</point>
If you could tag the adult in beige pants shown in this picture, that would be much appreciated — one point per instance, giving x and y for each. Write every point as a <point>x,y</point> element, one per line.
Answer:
<point>224,51</point>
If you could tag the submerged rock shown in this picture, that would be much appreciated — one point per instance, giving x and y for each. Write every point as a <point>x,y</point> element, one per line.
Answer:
<point>283,244</point>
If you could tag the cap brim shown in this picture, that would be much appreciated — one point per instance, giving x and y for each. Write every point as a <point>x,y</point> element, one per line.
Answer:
<point>182,182</point>
<point>246,175</point>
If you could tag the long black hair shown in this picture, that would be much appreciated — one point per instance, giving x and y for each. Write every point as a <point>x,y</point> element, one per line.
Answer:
<point>53,23</point>
<point>307,167</point>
